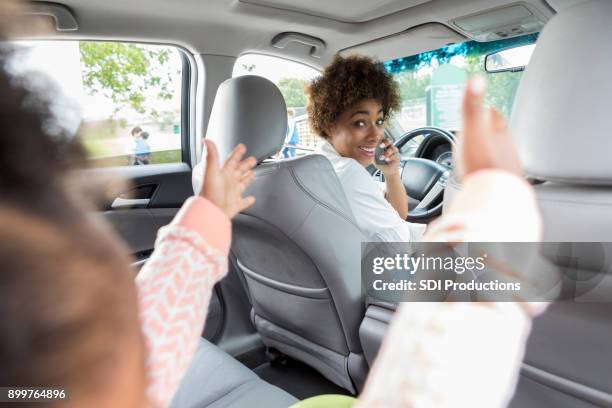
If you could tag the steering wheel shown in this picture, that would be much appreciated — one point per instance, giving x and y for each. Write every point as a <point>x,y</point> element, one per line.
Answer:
<point>424,179</point>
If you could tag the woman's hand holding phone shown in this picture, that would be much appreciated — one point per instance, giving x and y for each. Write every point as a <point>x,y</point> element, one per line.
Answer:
<point>387,158</point>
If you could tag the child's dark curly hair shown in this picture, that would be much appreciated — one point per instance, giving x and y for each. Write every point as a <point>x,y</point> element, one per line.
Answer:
<point>66,288</point>
<point>345,82</point>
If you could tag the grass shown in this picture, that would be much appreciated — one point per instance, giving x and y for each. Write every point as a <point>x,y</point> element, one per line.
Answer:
<point>166,156</point>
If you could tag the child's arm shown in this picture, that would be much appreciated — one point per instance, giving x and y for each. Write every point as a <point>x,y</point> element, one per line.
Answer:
<point>461,354</point>
<point>465,354</point>
<point>175,287</point>
<point>190,257</point>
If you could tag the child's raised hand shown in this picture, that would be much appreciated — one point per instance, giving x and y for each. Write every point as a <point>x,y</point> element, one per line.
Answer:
<point>224,186</point>
<point>484,142</point>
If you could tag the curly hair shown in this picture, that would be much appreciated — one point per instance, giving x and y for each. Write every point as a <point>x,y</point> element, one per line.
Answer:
<point>345,82</point>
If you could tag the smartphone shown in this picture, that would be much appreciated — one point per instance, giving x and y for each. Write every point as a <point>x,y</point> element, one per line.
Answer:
<point>380,151</point>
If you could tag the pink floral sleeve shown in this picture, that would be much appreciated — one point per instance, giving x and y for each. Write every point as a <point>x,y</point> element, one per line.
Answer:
<point>461,354</point>
<point>174,289</point>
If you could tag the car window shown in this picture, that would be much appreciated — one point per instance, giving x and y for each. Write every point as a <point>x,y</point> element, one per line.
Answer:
<point>122,99</point>
<point>291,78</point>
<point>431,85</point>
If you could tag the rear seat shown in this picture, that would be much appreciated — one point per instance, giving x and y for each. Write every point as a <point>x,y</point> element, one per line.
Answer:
<point>216,379</point>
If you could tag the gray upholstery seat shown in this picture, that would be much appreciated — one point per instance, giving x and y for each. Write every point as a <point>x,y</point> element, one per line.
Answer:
<point>561,123</point>
<point>296,246</point>
<point>215,379</point>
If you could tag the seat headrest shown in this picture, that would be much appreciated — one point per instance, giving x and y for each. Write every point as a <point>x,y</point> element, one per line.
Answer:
<point>250,110</point>
<point>562,116</point>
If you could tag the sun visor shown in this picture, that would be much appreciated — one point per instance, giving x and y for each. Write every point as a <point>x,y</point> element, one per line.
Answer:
<point>413,41</point>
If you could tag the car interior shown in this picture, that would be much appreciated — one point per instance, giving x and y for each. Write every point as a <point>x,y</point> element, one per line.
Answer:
<point>290,321</point>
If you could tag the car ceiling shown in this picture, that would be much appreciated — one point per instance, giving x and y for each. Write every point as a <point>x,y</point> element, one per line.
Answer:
<point>234,27</point>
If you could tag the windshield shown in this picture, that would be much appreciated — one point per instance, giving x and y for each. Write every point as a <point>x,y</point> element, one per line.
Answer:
<point>431,83</point>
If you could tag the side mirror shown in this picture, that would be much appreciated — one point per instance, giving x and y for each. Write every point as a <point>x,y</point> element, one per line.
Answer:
<point>511,59</point>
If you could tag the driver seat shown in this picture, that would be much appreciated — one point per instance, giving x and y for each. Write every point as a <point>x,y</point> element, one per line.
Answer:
<point>295,247</point>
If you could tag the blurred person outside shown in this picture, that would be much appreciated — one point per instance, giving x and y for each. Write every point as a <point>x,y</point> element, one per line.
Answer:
<point>292,138</point>
<point>142,150</point>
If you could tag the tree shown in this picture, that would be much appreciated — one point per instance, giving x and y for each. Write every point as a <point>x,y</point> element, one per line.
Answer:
<point>411,85</point>
<point>122,72</point>
<point>293,91</point>
<point>501,89</point>
<point>502,86</point>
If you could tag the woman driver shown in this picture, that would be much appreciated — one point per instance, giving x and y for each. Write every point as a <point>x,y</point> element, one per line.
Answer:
<point>348,106</point>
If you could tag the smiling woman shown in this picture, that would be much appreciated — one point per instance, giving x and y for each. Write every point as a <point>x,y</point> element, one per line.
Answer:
<point>345,82</point>
<point>353,135</point>
<point>348,106</point>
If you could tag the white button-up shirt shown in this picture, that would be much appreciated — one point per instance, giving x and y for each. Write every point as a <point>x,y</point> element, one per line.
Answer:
<point>375,216</point>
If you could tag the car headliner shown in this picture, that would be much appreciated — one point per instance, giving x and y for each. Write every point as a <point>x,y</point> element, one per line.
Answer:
<point>234,27</point>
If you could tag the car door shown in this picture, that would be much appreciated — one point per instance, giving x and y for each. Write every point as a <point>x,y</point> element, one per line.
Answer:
<point>113,89</point>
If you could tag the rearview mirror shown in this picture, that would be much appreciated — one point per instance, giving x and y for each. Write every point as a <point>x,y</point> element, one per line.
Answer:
<point>510,59</point>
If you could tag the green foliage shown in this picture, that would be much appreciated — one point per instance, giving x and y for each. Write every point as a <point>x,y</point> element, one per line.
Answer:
<point>412,86</point>
<point>445,54</point>
<point>501,88</point>
<point>413,76</point>
<point>121,72</point>
<point>293,91</point>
